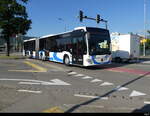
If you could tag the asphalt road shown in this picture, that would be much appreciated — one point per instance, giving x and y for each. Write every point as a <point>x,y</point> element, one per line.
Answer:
<point>40,86</point>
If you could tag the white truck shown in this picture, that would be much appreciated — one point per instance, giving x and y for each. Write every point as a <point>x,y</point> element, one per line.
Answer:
<point>125,47</point>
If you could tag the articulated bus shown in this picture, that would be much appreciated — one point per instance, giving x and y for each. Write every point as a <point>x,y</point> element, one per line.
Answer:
<point>85,46</point>
<point>29,47</point>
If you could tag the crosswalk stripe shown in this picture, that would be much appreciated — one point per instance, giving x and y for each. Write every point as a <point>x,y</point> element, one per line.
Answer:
<point>106,84</point>
<point>79,75</point>
<point>136,93</point>
<point>96,80</point>
<point>87,77</point>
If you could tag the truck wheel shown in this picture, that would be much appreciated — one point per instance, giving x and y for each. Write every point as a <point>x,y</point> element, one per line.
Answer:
<point>66,60</point>
<point>118,60</point>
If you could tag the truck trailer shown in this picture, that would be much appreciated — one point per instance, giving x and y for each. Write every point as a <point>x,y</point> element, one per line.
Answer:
<point>125,47</point>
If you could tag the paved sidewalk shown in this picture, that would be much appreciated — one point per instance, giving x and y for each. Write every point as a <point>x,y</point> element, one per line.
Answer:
<point>16,55</point>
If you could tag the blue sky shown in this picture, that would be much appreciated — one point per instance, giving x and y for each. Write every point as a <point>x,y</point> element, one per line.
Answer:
<point>123,15</point>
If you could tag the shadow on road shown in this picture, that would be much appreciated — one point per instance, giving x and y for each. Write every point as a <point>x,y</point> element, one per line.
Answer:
<point>107,94</point>
<point>144,109</point>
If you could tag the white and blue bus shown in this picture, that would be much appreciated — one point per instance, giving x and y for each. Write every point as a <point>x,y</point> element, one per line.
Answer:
<point>85,46</point>
<point>29,48</point>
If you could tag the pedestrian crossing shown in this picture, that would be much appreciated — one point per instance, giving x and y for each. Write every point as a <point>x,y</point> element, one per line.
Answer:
<point>103,83</point>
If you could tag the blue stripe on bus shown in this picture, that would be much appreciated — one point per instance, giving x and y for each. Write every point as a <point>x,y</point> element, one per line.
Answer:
<point>55,58</point>
<point>51,58</point>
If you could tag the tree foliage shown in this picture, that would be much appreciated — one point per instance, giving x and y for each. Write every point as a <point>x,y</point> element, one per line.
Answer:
<point>13,19</point>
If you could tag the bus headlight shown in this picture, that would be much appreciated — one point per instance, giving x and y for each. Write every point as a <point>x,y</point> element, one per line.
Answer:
<point>89,61</point>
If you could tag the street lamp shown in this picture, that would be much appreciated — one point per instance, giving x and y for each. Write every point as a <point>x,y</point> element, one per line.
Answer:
<point>144,27</point>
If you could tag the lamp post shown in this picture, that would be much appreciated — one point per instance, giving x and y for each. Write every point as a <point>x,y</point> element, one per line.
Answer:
<point>144,27</point>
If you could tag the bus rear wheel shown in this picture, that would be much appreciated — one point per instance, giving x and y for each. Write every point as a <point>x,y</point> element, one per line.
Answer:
<point>66,60</point>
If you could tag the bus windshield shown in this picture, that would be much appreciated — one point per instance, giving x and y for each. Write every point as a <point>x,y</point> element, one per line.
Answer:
<point>99,44</point>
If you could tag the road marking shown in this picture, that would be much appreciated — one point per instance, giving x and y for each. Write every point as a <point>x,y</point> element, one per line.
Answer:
<point>96,80</point>
<point>88,96</point>
<point>29,91</point>
<point>53,110</point>
<point>79,75</point>
<point>136,93</point>
<point>72,73</point>
<point>129,70</point>
<point>106,84</point>
<point>29,83</point>
<point>49,65</point>
<point>87,77</point>
<point>38,68</point>
<point>24,71</point>
<point>54,81</point>
<point>146,102</point>
<point>92,106</point>
<point>120,88</point>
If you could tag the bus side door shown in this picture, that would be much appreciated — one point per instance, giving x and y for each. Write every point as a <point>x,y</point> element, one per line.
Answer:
<point>77,51</point>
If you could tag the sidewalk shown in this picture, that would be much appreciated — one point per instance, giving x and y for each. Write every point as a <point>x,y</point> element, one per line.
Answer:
<point>16,55</point>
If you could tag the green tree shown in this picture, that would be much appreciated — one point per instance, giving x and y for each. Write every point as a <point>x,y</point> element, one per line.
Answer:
<point>13,19</point>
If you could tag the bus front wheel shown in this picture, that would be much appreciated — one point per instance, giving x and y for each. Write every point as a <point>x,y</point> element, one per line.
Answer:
<point>66,60</point>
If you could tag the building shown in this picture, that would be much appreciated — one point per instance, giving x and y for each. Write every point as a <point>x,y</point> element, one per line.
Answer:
<point>16,43</point>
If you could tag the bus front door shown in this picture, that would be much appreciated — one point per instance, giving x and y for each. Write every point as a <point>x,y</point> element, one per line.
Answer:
<point>77,54</point>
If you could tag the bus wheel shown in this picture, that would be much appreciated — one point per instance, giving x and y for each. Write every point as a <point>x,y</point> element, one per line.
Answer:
<point>66,60</point>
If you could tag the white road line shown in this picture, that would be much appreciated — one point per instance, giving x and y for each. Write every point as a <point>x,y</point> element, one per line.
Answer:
<point>146,102</point>
<point>79,75</point>
<point>96,80</point>
<point>136,93</point>
<point>72,73</point>
<point>54,81</point>
<point>120,88</point>
<point>106,84</point>
<point>30,80</point>
<point>29,83</point>
<point>93,106</point>
<point>59,82</point>
<point>87,77</point>
<point>29,91</point>
<point>88,96</point>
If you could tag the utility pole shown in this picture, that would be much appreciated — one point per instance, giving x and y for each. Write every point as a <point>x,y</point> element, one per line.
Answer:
<point>144,27</point>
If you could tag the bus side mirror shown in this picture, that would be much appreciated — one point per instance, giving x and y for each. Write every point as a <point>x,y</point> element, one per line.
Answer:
<point>71,50</point>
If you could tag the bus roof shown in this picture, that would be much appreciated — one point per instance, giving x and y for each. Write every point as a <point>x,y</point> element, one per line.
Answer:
<point>51,35</point>
<point>77,28</point>
<point>32,39</point>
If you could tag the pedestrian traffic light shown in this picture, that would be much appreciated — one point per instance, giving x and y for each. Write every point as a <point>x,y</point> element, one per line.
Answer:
<point>98,18</point>
<point>81,15</point>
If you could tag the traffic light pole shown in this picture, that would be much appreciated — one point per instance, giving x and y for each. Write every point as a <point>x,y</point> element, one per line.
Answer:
<point>89,18</point>
<point>144,51</point>
<point>97,19</point>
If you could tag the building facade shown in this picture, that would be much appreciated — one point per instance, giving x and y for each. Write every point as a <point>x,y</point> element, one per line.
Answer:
<point>16,43</point>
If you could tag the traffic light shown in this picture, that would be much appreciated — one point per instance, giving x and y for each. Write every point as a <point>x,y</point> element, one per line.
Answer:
<point>98,18</point>
<point>81,15</point>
